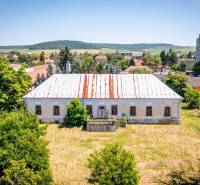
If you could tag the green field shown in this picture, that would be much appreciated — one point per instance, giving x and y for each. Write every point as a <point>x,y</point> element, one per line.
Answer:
<point>158,149</point>
<point>49,51</point>
<point>92,51</point>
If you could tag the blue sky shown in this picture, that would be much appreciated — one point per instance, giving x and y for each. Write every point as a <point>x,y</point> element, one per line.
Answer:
<point>111,21</point>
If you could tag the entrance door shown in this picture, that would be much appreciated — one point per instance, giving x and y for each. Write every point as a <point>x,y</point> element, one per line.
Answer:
<point>102,112</point>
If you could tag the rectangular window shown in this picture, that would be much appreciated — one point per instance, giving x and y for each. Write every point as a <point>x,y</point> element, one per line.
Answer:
<point>56,110</point>
<point>132,110</point>
<point>38,110</point>
<point>89,109</point>
<point>149,111</point>
<point>114,109</point>
<point>167,111</point>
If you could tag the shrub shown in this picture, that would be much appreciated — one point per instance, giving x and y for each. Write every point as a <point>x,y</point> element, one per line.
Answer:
<point>112,165</point>
<point>192,98</point>
<point>19,174</point>
<point>76,113</point>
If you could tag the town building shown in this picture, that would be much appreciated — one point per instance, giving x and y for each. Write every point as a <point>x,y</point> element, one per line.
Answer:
<point>140,98</point>
<point>194,82</point>
<point>198,49</point>
<point>101,58</point>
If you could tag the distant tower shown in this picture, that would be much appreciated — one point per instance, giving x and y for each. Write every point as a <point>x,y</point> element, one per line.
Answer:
<point>68,67</point>
<point>198,49</point>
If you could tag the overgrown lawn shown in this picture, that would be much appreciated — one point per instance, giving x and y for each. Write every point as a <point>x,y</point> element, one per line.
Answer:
<point>158,149</point>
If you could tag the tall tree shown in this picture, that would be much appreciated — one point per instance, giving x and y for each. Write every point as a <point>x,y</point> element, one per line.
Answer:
<point>196,69</point>
<point>189,55</point>
<point>163,57</point>
<point>22,139</point>
<point>132,62</point>
<point>65,57</point>
<point>172,57</point>
<point>49,70</point>
<point>88,64</point>
<point>151,60</point>
<point>177,81</point>
<point>42,58</point>
<point>13,86</point>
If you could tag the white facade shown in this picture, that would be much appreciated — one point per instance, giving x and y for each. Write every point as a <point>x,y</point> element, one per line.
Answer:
<point>158,106</point>
<point>155,95</point>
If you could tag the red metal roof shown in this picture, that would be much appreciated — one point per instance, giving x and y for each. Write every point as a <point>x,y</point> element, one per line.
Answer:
<point>102,86</point>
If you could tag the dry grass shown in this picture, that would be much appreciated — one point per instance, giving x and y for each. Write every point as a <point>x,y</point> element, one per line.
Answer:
<point>158,149</point>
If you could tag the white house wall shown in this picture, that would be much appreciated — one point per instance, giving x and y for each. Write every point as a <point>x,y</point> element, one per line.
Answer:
<point>123,107</point>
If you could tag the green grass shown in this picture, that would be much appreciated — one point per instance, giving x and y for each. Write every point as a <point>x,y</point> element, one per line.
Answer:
<point>158,149</point>
<point>190,119</point>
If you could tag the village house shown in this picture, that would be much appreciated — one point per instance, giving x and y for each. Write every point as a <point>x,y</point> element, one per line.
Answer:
<point>142,98</point>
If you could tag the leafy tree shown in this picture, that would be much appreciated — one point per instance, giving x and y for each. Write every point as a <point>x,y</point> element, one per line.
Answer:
<point>19,174</point>
<point>112,68</point>
<point>76,67</point>
<point>113,165</point>
<point>181,66</point>
<point>88,64</point>
<point>49,70</point>
<point>172,57</point>
<point>65,57</point>
<point>196,69</point>
<point>24,58</point>
<point>124,64</point>
<point>192,98</point>
<point>100,68</point>
<point>141,70</point>
<point>177,81</point>
<point>42,58</point>
<point>76,113</point>
<point>21,139</point>
<point>151,60</point>
<point>13,86</point>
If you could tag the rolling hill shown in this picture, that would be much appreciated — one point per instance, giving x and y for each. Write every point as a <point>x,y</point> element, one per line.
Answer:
<point>84,45</point>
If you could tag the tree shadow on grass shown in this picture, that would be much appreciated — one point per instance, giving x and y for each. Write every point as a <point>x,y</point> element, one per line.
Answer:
<point>83,127</point>
<point>181,178</point>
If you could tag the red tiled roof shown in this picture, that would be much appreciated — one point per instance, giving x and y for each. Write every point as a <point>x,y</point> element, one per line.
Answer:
<point>138,62</point>
<point>194,81</point>
<point>33,71</point>
<point>197,88</point>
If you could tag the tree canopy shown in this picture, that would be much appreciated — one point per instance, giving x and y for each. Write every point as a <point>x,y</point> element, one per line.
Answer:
<point>14,85</point>
<point>196,69</point>
<point>170,58</point>
<point>21,139</point>
<point>177,81</point>
<point>192,98</point>
<point>151,60</point>
<point>65,56</point>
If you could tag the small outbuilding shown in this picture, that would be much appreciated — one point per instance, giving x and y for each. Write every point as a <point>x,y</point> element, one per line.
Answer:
<point>138,98</point>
